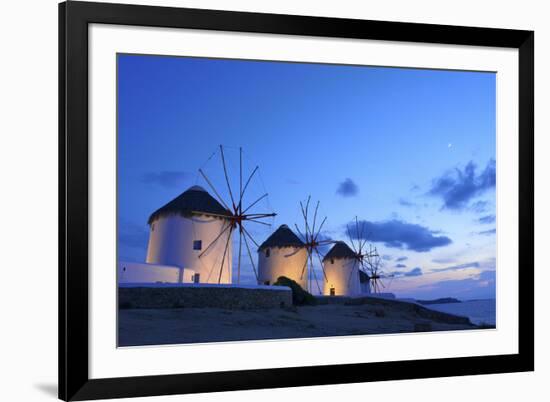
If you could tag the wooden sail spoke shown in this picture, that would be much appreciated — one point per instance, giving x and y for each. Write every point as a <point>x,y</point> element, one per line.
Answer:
<point>227,177</point>
<point>314,274</point>
<point>257,216</point>
<point>321,263</point>
<point>255,202</point>
<point>239,259</point>
<point>219,198</point>
<point>320,227</point>
<point>251,259</point>
<point>257,221</point>
<point>248,181</point>
<point>250,237</point>
<point>303,269</point>
<point>214,241</point>
<point>315,216</point>
<point>224,254</point>
<point>352,271</point>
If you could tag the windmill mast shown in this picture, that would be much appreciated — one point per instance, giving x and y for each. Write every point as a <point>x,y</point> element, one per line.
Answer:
<point>312,241</point>
<point>240,214</point>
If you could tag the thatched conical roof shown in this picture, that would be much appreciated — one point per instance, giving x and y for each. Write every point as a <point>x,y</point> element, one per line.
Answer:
<point>282,237</point>
<point>192,201</point>
<point>338,251</point>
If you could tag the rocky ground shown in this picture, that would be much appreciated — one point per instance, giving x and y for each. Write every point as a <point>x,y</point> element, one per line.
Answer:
<point>352,317</point>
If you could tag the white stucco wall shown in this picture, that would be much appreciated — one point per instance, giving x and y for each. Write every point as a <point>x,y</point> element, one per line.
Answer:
<point>133,272</point>
<point>338,277</point>
<point>278,264</point>
<point>365,287</point>
<point>188,276</point>
<point>171,243</point>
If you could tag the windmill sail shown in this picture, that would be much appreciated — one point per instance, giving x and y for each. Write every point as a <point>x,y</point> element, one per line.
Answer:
<point>241,212</point>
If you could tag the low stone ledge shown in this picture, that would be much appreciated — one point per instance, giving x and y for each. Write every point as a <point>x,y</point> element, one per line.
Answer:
<point>141,297</point>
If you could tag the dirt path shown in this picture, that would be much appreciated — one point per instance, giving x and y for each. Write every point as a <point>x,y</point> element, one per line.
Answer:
<point>197,325</point>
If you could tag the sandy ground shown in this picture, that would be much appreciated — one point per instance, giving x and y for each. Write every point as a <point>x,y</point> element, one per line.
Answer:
<point>197,325</point>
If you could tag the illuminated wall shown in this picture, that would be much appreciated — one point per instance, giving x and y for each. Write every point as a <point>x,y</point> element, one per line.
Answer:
<point>281,263</point>
<point>342,276</point>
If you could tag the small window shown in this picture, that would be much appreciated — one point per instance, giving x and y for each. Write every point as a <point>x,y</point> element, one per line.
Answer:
<point>267,252</point>
<point>196,278</point>
<point>332,291</point>
<point>332,260</point>
<point>197,244</point>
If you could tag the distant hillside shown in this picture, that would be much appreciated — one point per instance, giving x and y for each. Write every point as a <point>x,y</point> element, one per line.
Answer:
<point>443,300</point>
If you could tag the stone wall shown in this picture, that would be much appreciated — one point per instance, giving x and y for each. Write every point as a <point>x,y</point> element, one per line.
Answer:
<point>203,296</point>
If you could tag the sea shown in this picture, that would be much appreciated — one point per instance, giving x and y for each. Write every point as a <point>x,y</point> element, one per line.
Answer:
<point>482,311</point>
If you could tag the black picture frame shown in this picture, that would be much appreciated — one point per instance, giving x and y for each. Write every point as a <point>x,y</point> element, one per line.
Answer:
<point>74,18</point>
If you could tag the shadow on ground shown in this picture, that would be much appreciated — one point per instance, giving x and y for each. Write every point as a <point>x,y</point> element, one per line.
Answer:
<point>48,389</point>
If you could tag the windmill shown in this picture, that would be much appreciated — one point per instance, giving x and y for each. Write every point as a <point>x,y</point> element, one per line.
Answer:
<point>374,268</point>
<point>310,235</point>
<point>239,214</point>
<point>368,261</point>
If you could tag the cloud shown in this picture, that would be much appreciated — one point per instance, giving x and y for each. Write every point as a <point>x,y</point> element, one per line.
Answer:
<point>132,241</point>
<point>443,260</point>
<point>399,234</point>
<point>386,257</point>
<point>480,286</point>
<point>487,232</point>
<point>474,264</point>
<point>406,203</point>
<point>400,266</point>
<point>347,188</point>
<point>489,275</point>
<point>479,207</point>
<point>488,264</point>
<point>487,219</point>
<point>166,178</point>
<point>458,187</point>
<point>413,272</point>
<point>133,235</point>
<point>402,259</point>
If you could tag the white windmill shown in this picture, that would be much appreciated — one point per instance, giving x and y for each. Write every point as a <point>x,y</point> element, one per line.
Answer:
<point>355,270</point>
<point>283,253</point>
<point>179,229</point>
<point>369,262</point>
<point>194,230</point>
<point>312,241</point>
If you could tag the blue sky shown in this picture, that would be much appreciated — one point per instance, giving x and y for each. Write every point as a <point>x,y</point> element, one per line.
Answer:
<point>409,152</point>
